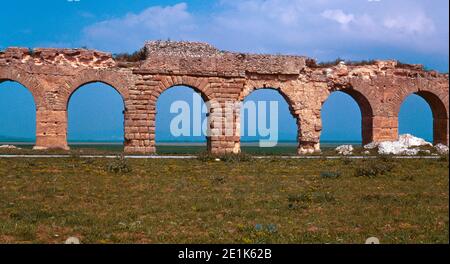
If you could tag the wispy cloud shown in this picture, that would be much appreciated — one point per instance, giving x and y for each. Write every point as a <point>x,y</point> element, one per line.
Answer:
<point>420,25</point>
<point>132,30</point>
<point>339,16</point>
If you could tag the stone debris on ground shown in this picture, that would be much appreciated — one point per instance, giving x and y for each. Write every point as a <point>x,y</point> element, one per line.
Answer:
<point>345,150</point>
<point>405,145</point>
<point>8,147</point>
<point>441,149</point>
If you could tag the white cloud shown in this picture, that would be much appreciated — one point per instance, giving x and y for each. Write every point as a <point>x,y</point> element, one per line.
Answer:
<point>418,24</point>
<point>132,30</point>
<point>338,15</point>
<point>362,29</point>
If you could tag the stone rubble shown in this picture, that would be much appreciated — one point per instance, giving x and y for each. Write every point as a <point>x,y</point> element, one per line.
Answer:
<point>8,147</point>
<point>345,150</point>
<point>412,141</point>
<point>441,149</point>
<point>406,145</point>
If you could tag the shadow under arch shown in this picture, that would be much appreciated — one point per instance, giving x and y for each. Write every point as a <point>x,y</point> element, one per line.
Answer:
<point>22,111</point>
<point>195,141</point>
<point>291,119</point>
<point>366,112</point>
<point>98,88</point>
<point>439,113</point>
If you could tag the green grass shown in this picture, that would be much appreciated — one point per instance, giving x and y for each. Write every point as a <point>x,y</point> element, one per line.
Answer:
<point>190,201</point>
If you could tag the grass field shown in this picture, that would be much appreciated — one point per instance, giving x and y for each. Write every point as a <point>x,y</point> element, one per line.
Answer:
<point>195,201</point>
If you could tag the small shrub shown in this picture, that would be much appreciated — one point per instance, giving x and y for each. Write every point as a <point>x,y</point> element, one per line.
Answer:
<point>382,198</point>
<point>88,161</point>
<point>218,179</point>
<point>409,66</point>
<point>326,64</point>
<point>330,174</point>
<point>240,157</point>
<point>311,63</point>
<point>373,168</point>
<point>423,153</point>
<point>119,165</point>
<point>347,161</point>
<point>385,158</point>
<point>320,197</point>
<point>303,200</point>
<point>297,198</point>
<point>443,158</point>
<point>360,63</point>
<point>206,156</point>
<point>136,56</point>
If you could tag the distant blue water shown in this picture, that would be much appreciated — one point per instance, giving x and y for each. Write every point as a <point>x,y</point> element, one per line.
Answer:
<point>324,144</point>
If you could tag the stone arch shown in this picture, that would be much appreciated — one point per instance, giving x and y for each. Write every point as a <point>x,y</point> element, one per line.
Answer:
<point>26,80</point>
<point>439,111</point>
<point>25,127</point>
<point>281,88</point>
<point>199,85</point>
<point>114,79</point>
<point>96,113</point>
<point>434,92</point>
<point>366,111</point>
<point>285,89</point>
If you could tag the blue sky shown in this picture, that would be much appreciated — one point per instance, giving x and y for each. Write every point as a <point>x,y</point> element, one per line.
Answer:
<point>412,31</point>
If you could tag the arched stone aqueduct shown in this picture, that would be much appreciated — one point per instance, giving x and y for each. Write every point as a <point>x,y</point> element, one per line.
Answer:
<point>379,88</point>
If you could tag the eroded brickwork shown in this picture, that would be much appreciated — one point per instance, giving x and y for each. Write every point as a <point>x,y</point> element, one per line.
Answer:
<point>379,88</point>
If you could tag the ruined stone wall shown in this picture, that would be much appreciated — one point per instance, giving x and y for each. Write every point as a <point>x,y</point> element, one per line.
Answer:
<point>379,88</point>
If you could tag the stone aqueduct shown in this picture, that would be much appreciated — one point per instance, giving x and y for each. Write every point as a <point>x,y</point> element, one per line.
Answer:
<point>379,88</point>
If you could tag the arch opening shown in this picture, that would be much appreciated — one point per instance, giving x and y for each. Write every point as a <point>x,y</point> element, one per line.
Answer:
<point>424,115</point>
<point>96,117</point>
<point>267,123</point>
<point>347,118</point>
<point>182,123</point>
<point>17,114</point>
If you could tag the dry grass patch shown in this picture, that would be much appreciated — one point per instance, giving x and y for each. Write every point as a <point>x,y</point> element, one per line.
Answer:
<point>194,201</point>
